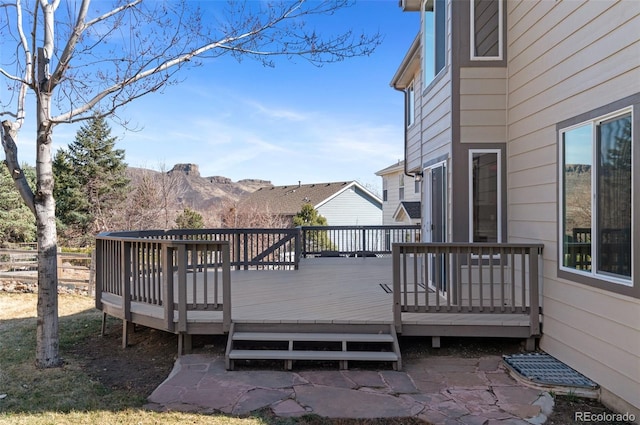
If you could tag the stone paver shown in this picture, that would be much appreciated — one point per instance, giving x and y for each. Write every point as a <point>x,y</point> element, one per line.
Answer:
<point>441,390</point>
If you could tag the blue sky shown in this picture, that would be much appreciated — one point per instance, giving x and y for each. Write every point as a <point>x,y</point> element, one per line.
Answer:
<point>291,123</point>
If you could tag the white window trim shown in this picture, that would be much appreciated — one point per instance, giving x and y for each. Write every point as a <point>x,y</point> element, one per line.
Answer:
<point>498,153</point>
<point>411,104</point>
<point>427,81</point>
<point>472,34</point>
<point>594,218</point>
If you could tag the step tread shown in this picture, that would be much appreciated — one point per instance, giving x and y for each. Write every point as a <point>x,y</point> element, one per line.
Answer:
<point>311,337</point>
<point>313,355</point>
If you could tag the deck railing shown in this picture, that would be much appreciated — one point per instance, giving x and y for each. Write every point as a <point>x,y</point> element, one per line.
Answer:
<point>248,248</point>
<point>354,240</point>
<point>161,273</point>
<point>467,278</point>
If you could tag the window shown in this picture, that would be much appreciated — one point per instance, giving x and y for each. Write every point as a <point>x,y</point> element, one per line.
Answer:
<point>401,187</point>
<point>486,29</point>
<point>485,196</point>
<point>595,213</point>
<point>416,185</point>
<point>384,189</point>
<point>411,105</point>
<point>434,38</point>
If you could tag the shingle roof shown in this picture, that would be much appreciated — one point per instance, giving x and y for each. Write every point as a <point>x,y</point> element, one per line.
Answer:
<point>398,166</point>
<point>412,208</point>
<point>288,200</point>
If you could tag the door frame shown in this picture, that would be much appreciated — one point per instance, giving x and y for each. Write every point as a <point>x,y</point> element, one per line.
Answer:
<point>430,205</point>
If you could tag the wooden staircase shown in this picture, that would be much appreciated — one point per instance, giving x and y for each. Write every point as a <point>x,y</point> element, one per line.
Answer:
<point>313,342</point>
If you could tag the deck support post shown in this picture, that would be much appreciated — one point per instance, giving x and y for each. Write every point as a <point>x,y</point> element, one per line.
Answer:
<point>103,328</point>
<point>184,343</point>
<point>435,342</point>
<point>126,328</point>
<point>530,344</point>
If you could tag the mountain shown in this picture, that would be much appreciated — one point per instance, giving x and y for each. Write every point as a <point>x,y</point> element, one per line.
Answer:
<point>195,191</point>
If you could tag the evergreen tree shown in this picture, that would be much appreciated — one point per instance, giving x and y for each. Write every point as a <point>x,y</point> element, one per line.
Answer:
<point>90,183</point>
<point>309,216</point>
<point>317,240</point>
<point>189,219</point>
<point>17,222</point>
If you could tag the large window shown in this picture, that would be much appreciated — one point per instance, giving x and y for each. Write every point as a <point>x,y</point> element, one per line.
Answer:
<point>484,196</point>
<point>595,213</point>
<point>434,38</point>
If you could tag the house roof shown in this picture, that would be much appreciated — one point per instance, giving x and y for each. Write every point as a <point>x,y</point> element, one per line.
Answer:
<point>399,166</point>
<point>289,199</point>
<point>411,209</point>
<point>408,67</point>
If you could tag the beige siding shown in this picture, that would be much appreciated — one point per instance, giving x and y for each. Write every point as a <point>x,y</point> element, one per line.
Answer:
<point>390,206</point>
<point>430,136</point>
<point>483,105</point>
<point>564,59</point>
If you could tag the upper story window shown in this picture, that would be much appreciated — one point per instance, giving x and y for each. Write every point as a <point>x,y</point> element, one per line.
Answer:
<point>401,187</point>
<point>384,189</point>
<point>486,29</point>
<point>411,105</point>
<point>595,205</point>
<point>434,38</point>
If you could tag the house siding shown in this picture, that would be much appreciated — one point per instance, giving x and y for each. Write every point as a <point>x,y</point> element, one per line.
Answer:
<point>557,71</point>
<point>483,102</point>
<point>352,207</point>
<point>392,179</point>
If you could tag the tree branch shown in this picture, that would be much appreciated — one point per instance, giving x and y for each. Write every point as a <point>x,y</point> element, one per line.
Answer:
<point>9,134</point>
<point>79,28</point>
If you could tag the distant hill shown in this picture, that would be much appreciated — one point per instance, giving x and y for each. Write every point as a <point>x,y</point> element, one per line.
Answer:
<point>195,191</point>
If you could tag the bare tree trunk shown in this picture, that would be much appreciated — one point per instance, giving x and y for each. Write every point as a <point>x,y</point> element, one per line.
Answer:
<point>47,337</point>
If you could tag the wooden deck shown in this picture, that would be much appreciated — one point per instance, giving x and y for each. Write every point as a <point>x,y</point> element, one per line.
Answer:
<point>322,292</point>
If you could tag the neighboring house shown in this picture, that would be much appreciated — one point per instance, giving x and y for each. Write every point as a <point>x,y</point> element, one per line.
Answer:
<point>520,118</point>
<point>341,203</point>
<point>400,196</point>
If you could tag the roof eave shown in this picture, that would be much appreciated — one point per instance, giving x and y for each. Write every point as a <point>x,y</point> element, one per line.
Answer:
<point>408,67</point>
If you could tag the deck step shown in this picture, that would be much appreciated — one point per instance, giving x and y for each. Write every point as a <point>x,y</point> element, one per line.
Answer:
<point>371,356</point>
<point>311,337</point>
<point>257,342</point>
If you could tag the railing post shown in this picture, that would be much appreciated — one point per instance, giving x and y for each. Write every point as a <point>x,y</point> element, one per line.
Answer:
<point>182,288</point>
<point>167,283</point>
<point>397,310</point>
<point>236,239</point>
<point>98,264</point>
<point>298,248</point>
<point>125,281</point>
<point>364,240</point>
<point>226,288</point>
<point>534,294</point>
<point>245,259</point>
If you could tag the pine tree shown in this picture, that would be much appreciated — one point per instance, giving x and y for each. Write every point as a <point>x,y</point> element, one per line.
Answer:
<point>189,219</point>
<point>316,239</point>
<point>17,222</point>
<point>91,183</point>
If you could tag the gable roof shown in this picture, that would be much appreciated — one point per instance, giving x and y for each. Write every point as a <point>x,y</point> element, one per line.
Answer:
<point>399,166</point>
<point>289,199</point>
<point>411,209</point>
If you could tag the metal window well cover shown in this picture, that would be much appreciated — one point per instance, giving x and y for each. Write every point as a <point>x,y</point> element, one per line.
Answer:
<point>542,368</point>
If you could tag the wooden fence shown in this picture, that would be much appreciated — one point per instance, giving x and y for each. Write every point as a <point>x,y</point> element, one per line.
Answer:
<point>74,269</point>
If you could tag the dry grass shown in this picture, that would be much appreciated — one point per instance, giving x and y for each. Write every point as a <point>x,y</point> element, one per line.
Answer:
<point>67,395</point>
<point>72,394</point>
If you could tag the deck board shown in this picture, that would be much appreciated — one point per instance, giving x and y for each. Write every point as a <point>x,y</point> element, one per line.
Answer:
<point>323,291</point>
